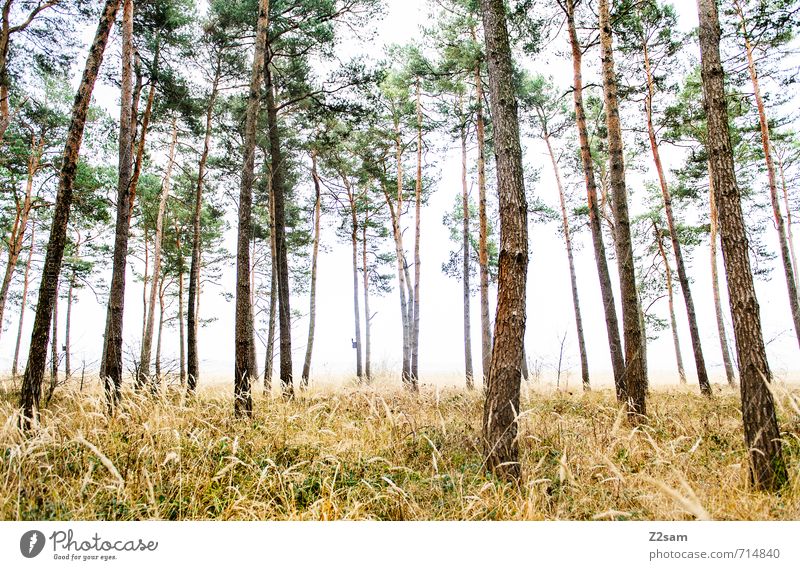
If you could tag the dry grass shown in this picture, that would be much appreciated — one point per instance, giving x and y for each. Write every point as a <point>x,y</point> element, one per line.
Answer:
<point>380,453</point>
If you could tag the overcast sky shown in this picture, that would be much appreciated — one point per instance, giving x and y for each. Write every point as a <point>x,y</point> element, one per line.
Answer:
<point>550,312</point>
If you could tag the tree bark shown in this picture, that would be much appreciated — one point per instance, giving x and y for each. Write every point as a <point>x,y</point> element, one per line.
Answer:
<point>25,283</point>
<point>354,245</point>
<point>365,276</point>
<point>192,318</point>
<point>273,301</point>
<point>573,279</point>
<point>156,380</point>
<point>54,349</point>
<point>671,301</point>
<point>243,400</point>
<point>112,350</point>
<point>762,436</point>
<point>68,328</point>
<point>417,236</point>
<point>312,310</point>
<point>789,236</point>
<point>723,336</point>
<point>181,326</point>
<point>502,394</point>
<point>635,373</point>
<point>147,340</point>
<point>465,247</point>
<point>683,278</point>
<point>606,291</point>
<point>788,270</point>
<point>34,371</point>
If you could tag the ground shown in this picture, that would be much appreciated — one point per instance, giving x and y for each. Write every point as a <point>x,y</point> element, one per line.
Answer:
<point>377,452</point>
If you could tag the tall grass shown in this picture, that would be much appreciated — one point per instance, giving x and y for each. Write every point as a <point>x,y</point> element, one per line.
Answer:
<point>381,453</point>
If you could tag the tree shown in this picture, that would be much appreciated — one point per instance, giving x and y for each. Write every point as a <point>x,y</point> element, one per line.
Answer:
<point>502,393</point>
<point>34,371</point>
<point>767,469</point>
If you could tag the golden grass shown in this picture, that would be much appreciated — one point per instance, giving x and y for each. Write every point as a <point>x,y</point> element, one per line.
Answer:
<point>380,453</point>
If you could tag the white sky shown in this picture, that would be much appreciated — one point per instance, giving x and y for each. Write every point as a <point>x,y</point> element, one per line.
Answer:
<point>550,311</point>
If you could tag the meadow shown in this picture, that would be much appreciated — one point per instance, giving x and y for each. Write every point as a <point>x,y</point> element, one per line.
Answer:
<point>378,452</point>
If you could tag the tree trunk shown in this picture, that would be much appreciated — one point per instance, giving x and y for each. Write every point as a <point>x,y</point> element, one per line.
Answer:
<point>483,229</point>
<point>145,279</point>
<point>273,301</point>
<point>789,236</point>
<point>112,349</point>
<point>156,380</point>
<point>788,270</point>
<point>723,336</point>
<point>469,376</point>
<point>571,261</point>
<point>354,245</point>
<point>502,394</point>
<point>606,291</point>
<point>417,264</point>
<point>20,225</point>
<point>34,371</point>
<point>762,436</point>
<point>278,186</point>
<point>54,349</point>
<point>367,343</point>
<point>635,373</point>
<point>243,400</point>
<point>181,325</point>
<point>192,318</point>
<point>671,300</point>
<point>683,278</point>
<point>312,311</point>
<point>68,329</point>
<point>148,111</point>
<point>147,340</point>
<point>25,283</point>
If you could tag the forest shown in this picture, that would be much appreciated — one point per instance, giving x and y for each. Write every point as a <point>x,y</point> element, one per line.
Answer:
<point>262,184</point>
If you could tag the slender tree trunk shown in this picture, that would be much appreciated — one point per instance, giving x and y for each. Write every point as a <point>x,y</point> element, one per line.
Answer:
<point>20,225</point>
<point>254,361</point>
<point>192,318</point>
<point>723,336</point>
<point>25,283</point>
<point>762,436</point>
<point>312,311</point>
<point>465,247</point>
<point>156,381</point>
<point>683,278</point>
<point>354,245</point>
<point>606,291</point>
<point>243,400</point>
<point>671,300</point>
<point>278,186</point>
<point>483,226</point>
<point>502,394</point>
<point>789,236</point>
<point>112,351</point>
<point>405,280</point>
<point>181,326</point>
<point>68,328</point>
<point>5,38</point>
<point>273,301</point>
<point>635,373</point>
<point>367,339</point>
<point>34,371</point>
<point>147,340</point>
<point>417,264</point>
<point>571,261</point>
<point>788,270</point>
<point>145,279</point>
<point>54,348</point>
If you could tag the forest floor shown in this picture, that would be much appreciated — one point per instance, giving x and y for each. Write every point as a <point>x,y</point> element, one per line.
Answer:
<point>380,453</point>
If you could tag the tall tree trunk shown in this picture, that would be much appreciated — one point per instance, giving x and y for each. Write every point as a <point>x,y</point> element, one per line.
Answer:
<point>762,436</point>
<point>278,186</point>
<point>147,340</point>
<point>145,278</point>
<point>502,394</point>
<point>312,310</point>
<point>367,338</point>
<point>243,399</point>
<point>20,225</point>
<point>417,264</point>
<point>606,291</point>
<point>483,225</point>
<point>273,301</point>
<point>469,375</point>
<point>54,347</point>
<point>671,301</point>
<point>788,270</point>
<point>402,280</point>
<point>683,278</point>
<point>148,112</point>
<point>354,244</point>
<point>723,336</point>
<point>254,361</point>
<point>34,371</point>
<point>635,373</point>
<point>68,328</point>
<point>25,283</point>
<point>573,279</point>
<point>156,381</point>
<point>112,347</point>
<point>192,318</point>
<point>181,326</point>
<point>789,236</point>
